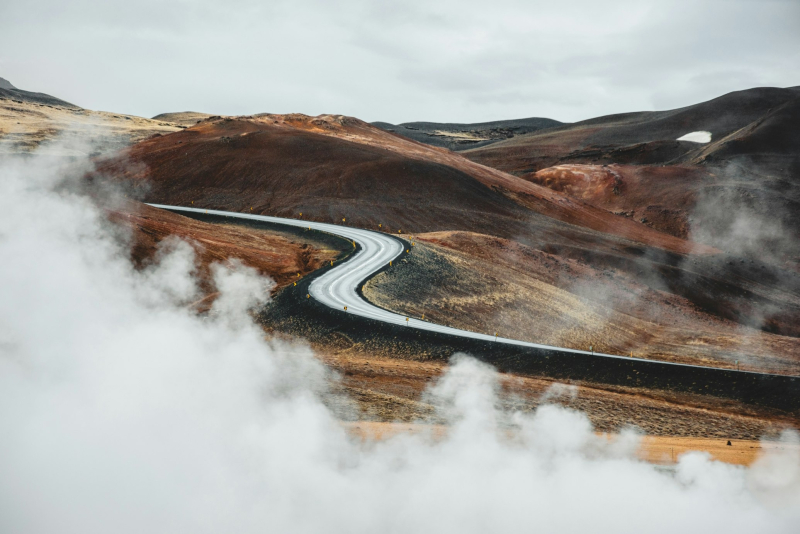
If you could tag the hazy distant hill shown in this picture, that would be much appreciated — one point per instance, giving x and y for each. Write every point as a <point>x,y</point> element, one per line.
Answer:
<point>8,91</point>
<point>184,118</point>
<point>33,121</point>
<point>462,136</point>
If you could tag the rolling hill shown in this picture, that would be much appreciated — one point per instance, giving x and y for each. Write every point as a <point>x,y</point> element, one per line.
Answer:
<point>340,169</point>
<point>45,124</point>
<point>634,138</point>
<point>9,92</point>
<point>739,192</point>
<point>456,136</point>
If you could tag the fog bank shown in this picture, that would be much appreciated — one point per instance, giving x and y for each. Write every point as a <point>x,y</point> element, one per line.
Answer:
<point>121,410</point>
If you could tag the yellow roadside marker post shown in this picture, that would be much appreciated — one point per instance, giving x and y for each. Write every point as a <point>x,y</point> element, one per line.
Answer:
<point>399,231</point>
<point>407,251</point>
<point>331,263</point>
<point>423,316</point>
<point>295,283</point>
<point>301,214</point>
<point>406,321</point>
<point>390,263</point>
<point>380,226</point>
<point>591,348</point>
<point>308,296</point>
<point>345,308</point>
<point>495,336</point>
<point>343,219</point>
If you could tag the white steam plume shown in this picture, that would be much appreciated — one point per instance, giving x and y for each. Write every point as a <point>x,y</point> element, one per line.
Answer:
<point>122,411</point>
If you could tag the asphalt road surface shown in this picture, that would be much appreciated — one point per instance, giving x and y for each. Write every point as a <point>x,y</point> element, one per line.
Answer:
<point>337,288</point>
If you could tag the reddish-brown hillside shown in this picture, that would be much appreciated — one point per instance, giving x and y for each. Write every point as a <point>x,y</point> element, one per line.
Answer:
<point>659,196</point>
<point>738,193</point>
<point>331,168</point>
<point>634,138</point>
<point>278,256</point>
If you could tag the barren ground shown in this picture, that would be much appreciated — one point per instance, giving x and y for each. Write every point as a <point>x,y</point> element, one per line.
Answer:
<point>281,256</point>
<point>663,450</point>
<point>386,389</point>
<point>514,257</point>
<point>25,126</point>
<point>183,118</point>
<point>560,265</point>
<point>485,284</point>
<point>380,386</point>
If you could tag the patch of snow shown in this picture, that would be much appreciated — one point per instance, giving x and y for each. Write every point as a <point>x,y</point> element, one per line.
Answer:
<point>697,137</point>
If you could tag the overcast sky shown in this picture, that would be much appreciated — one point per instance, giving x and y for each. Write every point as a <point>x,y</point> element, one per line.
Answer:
<point>453,60</point>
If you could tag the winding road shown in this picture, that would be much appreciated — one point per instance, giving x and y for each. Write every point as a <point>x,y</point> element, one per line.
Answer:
<point>338,288</point>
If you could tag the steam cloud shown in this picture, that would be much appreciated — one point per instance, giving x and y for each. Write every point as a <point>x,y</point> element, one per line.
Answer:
<point>123,411</point>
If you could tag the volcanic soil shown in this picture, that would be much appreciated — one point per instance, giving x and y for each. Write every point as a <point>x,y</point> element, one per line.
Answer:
<point>282,256</point>
<point>387,389</point>
<point>524,259</point>
<point>738,193</point>
<point>335,167</point>
<point>491,233</point>
<point>57,130</point>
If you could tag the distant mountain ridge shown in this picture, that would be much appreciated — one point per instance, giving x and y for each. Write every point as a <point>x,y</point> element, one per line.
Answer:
<point>457,136</point>
<point>184,118</point>
<point>645,137</point>
<point>9,92</point>
<point>534,139</point>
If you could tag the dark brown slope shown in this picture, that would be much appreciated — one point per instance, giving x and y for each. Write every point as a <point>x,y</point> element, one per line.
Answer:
<point>330,168</point>
<point>638,138</point>
<point>740,193</point>
<point>239,165</point>
<point>772,142</point>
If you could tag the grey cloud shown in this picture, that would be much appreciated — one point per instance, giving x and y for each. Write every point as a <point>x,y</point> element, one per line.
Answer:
<point>397,61</point>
